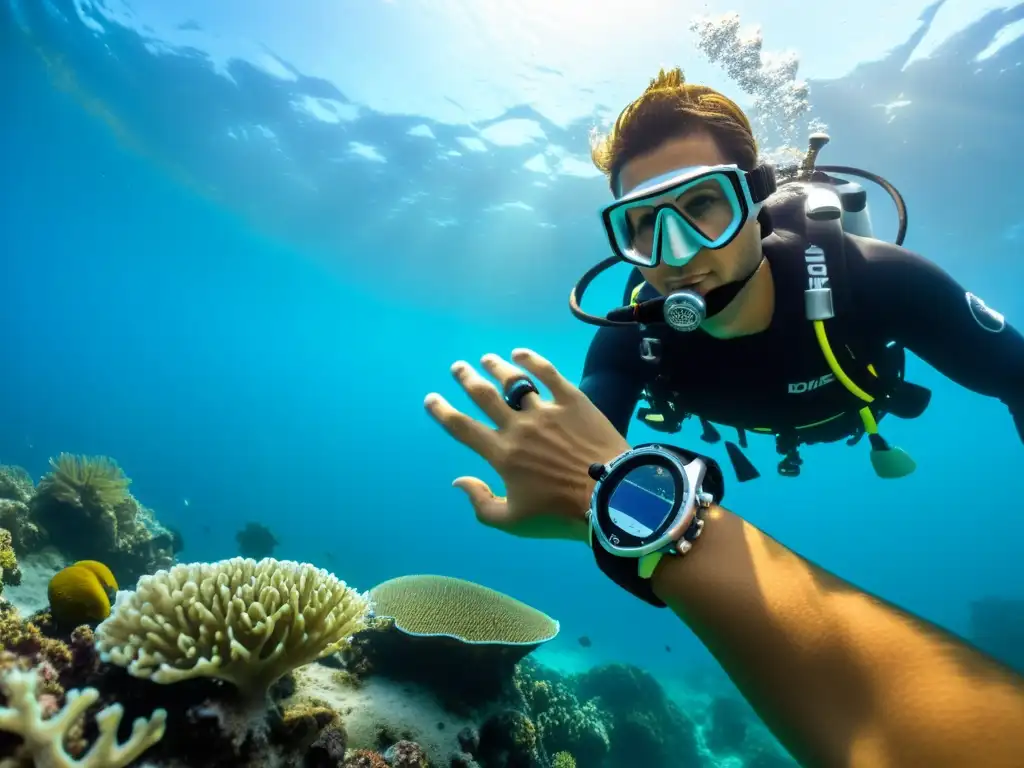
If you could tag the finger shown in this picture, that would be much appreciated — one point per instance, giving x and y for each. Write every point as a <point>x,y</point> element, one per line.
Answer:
<point>546,373</point>
<point>476,436</point>
<point>506,373</point>
<point>489,508</point>
<point>482,392</point>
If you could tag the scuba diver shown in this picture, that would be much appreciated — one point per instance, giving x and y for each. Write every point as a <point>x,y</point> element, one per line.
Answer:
<point>768,308</point>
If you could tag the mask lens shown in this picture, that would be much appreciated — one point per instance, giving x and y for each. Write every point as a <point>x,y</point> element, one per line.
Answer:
<point>708,207</point>
<point>643,500</point>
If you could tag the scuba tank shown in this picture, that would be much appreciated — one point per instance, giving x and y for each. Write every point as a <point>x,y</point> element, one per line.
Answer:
<point>830,197</point>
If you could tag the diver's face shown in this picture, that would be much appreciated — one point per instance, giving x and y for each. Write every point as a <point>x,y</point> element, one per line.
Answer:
<point>708,269</point>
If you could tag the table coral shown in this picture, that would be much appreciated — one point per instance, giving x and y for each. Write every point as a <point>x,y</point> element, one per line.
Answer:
<point>457,638</point>
<point>440,605</point>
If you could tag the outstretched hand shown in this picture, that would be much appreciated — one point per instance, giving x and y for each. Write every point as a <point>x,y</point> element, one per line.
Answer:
<point>542,452</point>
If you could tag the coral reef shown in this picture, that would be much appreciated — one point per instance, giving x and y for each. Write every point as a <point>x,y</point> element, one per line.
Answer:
<point>565,723</point>
<point>328,750</point>
<point>405,754</point>
<point>217,657</point>
<point>461,639</point>
<point>9,571</point>
<point>61,663</point>
<point>44,738</point>
<point>238,620</point>
<point>365,758</point>
<point>84,507</point>
<point>81,593</point>
<point>608,716</point>
<point>16,491</point>
<point>16,484</point>
<point>509,739</point>
<point>645,727</point>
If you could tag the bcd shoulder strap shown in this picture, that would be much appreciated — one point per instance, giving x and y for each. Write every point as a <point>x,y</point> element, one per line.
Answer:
<point>827,297</point>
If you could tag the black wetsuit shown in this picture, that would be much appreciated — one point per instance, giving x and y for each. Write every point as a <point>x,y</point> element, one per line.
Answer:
<point>778,381</point>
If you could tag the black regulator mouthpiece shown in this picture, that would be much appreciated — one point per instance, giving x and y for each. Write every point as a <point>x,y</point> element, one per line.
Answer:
<point>682,311</point>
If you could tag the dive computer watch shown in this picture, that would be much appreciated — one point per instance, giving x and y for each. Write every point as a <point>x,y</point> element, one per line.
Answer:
<point>647,503</point>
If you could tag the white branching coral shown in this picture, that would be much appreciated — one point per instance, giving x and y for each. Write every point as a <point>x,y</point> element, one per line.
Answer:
<point>238,620</point>
<point>44,739</point>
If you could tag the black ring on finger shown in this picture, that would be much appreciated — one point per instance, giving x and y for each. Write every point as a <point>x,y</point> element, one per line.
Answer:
<point>517,389</point>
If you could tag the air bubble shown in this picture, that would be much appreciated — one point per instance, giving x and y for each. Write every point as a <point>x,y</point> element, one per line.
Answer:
<point>779,115</point>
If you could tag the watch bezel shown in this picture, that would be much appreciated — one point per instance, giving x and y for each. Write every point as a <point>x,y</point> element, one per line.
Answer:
<point>687,479</point>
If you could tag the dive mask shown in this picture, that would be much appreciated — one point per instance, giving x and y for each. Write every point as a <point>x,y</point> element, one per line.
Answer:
<point>670,218</point>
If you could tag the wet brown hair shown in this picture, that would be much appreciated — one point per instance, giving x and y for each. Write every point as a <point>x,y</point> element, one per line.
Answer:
<point>670,108</point>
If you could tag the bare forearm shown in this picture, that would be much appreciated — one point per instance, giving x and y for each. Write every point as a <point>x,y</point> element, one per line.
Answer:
<point>841,677</point>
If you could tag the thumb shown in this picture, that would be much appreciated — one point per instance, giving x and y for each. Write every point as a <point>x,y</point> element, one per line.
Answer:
<point>488,507</point>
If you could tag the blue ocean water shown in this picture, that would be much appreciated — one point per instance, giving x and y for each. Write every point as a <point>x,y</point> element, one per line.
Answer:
<point>240,281</point>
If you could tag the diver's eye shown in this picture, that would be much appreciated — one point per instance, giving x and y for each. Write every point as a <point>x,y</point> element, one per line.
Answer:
<point>640,223</point>
<point>699,205</point>
<point>644,222</point>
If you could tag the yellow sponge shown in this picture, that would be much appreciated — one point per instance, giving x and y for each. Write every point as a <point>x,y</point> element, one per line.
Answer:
<point>80,593</point>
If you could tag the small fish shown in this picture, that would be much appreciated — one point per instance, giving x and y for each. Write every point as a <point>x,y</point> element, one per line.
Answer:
<point>585,641</point>
<point>185,502</point>
<point>668,649</point>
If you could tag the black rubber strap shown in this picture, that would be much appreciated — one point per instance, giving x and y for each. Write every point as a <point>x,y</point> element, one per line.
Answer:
<point>761,182</point>
<point>624,570</point>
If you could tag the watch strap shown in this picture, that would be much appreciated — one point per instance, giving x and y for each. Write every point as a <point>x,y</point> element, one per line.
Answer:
<point>624,572</point>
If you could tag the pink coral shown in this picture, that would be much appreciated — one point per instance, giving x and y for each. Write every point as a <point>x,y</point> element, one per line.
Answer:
<point>364,758</point>
<point>406,754</point>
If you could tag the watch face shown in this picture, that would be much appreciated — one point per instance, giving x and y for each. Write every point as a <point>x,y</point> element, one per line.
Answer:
<point>643,500</point>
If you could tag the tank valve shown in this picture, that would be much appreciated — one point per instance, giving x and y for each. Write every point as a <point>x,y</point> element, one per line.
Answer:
<point>815,143</point>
